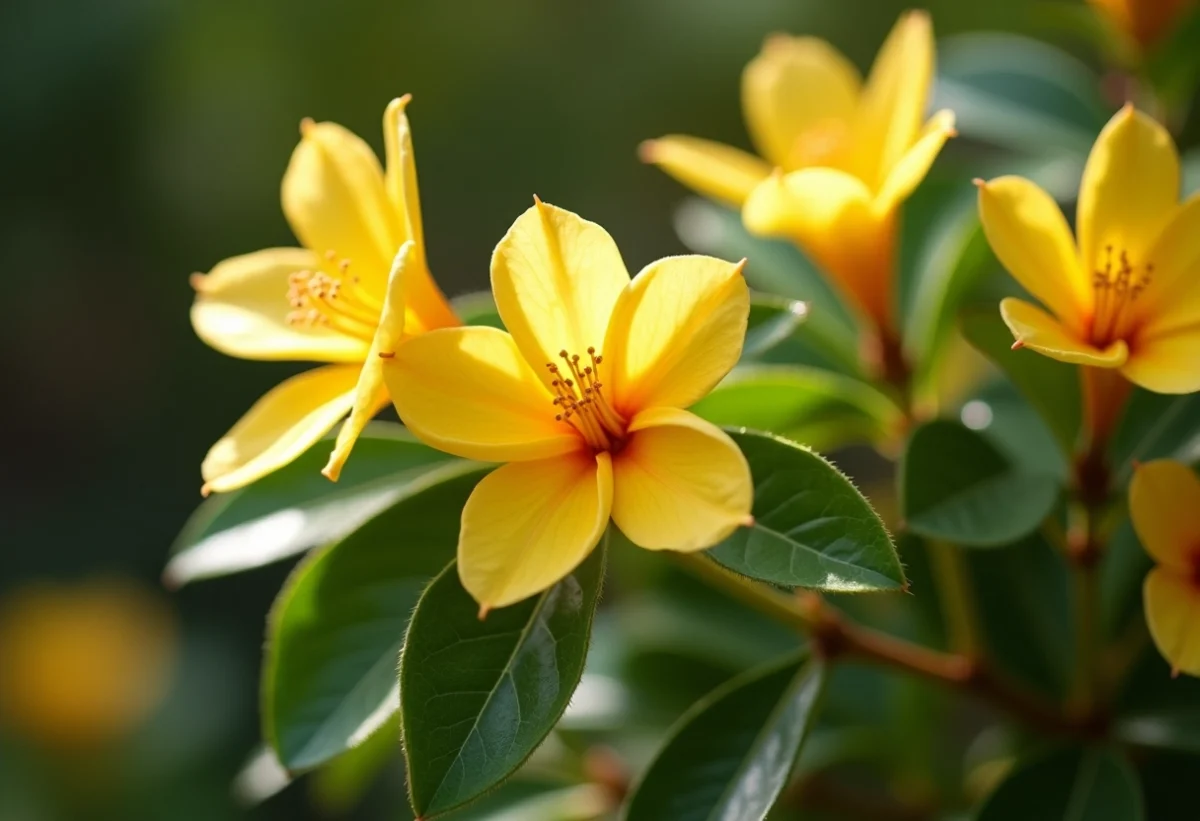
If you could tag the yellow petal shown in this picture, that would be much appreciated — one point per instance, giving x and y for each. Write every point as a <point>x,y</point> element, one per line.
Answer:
<point>1173,615</point>
<point>426,304</point>
<point>680,483</point>
<point>722,172</point>
<point>370,394</point>
<point>675,332</point>
<point>1029,235</point>
<point>556,277</point>
<point>1034,328</point>
<point>468,391</point>
<point>912,167</point>
<point>893,102</point>
<point>829,214</point>
<point>1164,503</point>
<point>335,200</point>
<point>527,525</point>
<point>1168,363</point>
<point>797,86</point>
<point>241,309</point>
<point>1129,191</point>
<point>1171,297</point>
<point>280,426</point>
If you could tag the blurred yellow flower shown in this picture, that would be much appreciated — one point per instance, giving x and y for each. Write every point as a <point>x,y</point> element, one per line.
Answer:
<point>82,665</point>
<point>584,398</point>
<point>1164,501</point>
<point>840,156</point>
<point>1146,21</point>
<point>359,283</point>
<point>1128,296</point>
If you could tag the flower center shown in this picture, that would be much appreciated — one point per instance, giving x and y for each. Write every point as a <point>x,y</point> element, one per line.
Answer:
<point>579,396</point>
<point>1116,286</point>
<point>817,144</point>
<point>336,301</point>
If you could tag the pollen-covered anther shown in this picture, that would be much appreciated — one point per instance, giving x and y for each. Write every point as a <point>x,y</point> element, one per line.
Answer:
<point>334,300</point>
<point>580,398</point>
<point>1116,286</point>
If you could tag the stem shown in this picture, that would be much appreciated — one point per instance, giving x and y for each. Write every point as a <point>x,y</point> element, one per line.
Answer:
<point>954,588</point>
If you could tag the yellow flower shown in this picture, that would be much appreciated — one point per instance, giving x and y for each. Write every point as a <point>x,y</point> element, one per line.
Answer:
<point>844,154</point>
<point>584,397</point>
<point>1164,501</point>
<point>359,283</point>
<point>1146,21</point>
<point>1128,296</point>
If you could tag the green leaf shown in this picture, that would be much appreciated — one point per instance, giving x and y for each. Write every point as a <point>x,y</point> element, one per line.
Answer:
<point>1071,785</point>
<point>1173,729</point>
<point>295,508</point>
<point>776,267</point>
<point>1052,387</point>
<point>955,485</point>
<point>1157,426</point>
<point>1019,93</point>
<point>478,308</point>
<point>336,629</point>
<point>731,754</point>
<point>478,696</point>
<point>821,408</point>
<point>772,320</point>
<point>812,528</point>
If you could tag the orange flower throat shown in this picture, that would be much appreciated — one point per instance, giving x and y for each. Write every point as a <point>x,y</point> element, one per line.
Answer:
<point>1115,288</point>
<point>582,402</point>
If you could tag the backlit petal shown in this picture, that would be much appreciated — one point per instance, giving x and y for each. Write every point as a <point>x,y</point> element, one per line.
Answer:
<point>680,483</point>
<point>719,171</point>
<point>1164,503</point>
<point>1034,328</point>
<point>912,167</point>
<point>1172,614</point>
<point>468,391</point>
<point>1129,191</point>
<point>426,304</point>
<point>241,309</point>
<point>1168,363</point>
<point>527,525</point>
<point>556,277</point>
<point>280,426</point>
<point>893,101</point>
<point>335,200</point>
<point>675,332</point>
<point>797,85</point>
<point>1171,298</point>
<point>1029,235</point>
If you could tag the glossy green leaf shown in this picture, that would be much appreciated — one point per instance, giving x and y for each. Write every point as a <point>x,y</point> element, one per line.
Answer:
<point>1171,729</point>
<point>1050,386</point>
<point>336,629</point>
<point>772,320</point>
<point>1156,426</point>
<point>730,756</point>
<point>821,408</point>
<point>956,486</point>
<point>812,527</point>
<point>1068,785</point>
<point>1006,419</point>
<point>776,267</point>
<point>295,508</point>
<point>478,696</point>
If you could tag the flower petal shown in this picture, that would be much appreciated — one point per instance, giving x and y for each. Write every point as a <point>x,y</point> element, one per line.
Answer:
<point>468,391</point>
<point>527,525</point>
<point>241,309</point>
<point>1034,328</point>
<point>830,215</point>
<point>1172,613</point>
<point>719,171</point>
<point>1029,235</point>
<point>1171,298</point>
<point>556,277</point>
<point>1164,503</point>
<point>797,85</point>
<point>679,483</point>
<point>335,200</point>
<point>912,167</point>
<point>893,101</point>
<point>675,332</point>
<point>426,304</point>
<point>280,426</point>
<point>1129,191</point>
<point>1168,363</point>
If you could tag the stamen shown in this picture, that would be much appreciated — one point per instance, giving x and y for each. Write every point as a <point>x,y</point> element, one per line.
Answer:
<point>579,397</point>
<point>1115,290</point>
<point>333,300</point>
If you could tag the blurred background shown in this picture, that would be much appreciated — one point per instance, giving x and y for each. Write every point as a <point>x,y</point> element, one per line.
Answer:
<point>146,139</point>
